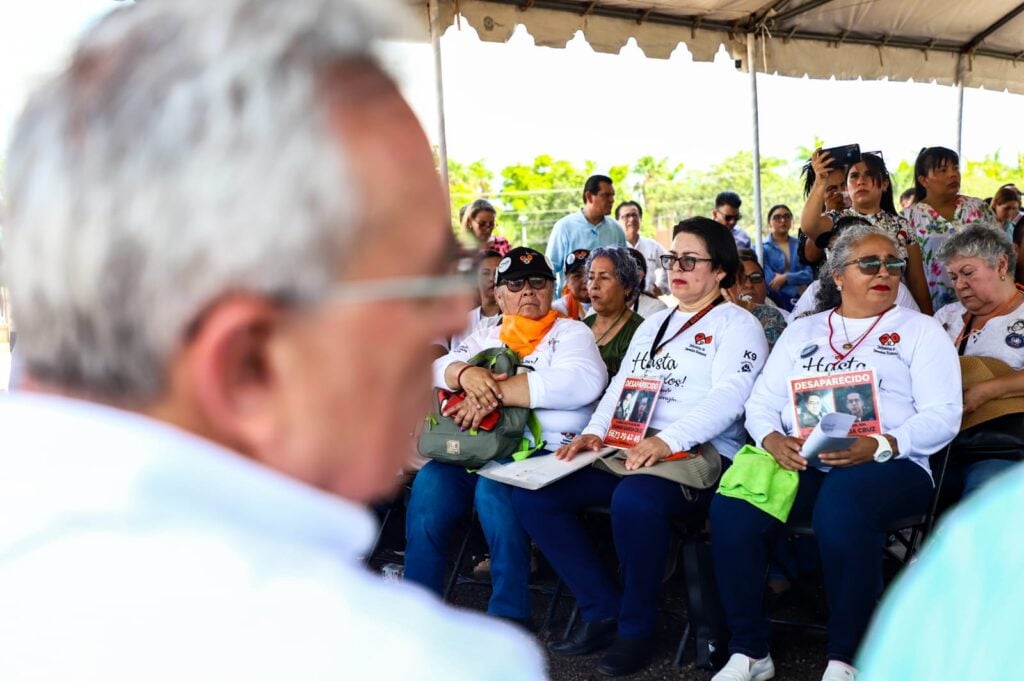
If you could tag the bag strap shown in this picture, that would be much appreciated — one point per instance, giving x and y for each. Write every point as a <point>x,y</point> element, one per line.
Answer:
<point>526,447</point>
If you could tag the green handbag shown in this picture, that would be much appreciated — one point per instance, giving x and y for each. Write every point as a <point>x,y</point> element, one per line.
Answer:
<point>497,438</point>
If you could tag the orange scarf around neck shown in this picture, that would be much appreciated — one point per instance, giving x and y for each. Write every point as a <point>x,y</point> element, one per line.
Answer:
<point>524,335</point>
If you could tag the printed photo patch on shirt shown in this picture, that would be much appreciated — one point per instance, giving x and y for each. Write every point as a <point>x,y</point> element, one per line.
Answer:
<point>1015,340</point>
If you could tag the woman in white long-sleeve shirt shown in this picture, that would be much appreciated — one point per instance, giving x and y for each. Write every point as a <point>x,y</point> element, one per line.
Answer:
<point>565,376</point>
<point>707,353</point>
<point>851,495</point>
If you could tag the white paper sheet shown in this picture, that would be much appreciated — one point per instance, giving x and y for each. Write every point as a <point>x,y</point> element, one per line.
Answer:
<point>540,471</point>
<point>830,435</point>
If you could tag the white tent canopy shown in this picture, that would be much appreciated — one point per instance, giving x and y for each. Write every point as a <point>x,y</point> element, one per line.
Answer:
<point>898,39</point>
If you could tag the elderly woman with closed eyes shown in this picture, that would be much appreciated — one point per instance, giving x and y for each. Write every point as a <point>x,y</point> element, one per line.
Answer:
<point>850,496</point>
<point>986,321</point>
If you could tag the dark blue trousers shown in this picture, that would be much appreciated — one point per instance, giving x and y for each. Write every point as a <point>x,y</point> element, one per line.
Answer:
<point>849,509</point>
<point>443,494</point>
<point>642,509</point>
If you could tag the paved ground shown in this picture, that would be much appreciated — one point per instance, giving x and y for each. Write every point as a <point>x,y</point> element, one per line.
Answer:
<point>798,652</point>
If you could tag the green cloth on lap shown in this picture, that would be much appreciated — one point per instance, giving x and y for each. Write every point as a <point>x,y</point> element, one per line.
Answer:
<point>756,477</point>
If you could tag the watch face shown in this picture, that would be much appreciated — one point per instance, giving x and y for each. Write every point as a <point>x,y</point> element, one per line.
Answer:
<point>883,455</point>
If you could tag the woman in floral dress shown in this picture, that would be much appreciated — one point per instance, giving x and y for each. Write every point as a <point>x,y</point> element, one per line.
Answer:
<point>940,210</point>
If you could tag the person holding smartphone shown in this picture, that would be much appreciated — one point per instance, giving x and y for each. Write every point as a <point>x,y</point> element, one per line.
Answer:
<point>869,185</point>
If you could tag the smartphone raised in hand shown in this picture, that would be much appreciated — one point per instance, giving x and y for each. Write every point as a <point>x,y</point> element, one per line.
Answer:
<point>844,156</point>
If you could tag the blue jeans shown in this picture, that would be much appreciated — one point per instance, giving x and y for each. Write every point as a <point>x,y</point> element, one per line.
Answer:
<point>443,494</point>
<point>979,473</point>
<point>849,509</point>
<point>642,509</point>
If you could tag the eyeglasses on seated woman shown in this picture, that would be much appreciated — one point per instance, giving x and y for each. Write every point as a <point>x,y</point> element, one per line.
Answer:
<point>701,358</point>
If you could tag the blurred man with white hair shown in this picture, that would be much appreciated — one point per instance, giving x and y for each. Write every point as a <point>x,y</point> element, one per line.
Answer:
<point>224,369</point>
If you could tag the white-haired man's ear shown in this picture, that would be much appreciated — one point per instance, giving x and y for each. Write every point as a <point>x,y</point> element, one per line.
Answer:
<point>221,381</point>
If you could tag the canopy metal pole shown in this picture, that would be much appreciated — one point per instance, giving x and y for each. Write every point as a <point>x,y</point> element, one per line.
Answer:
<point>751,39</point>
<point>960,107</point>
<point>442,136</point>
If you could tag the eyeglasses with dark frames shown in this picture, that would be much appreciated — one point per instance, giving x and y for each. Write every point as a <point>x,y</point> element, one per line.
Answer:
<point>687,263</point>
<point>517,285</point>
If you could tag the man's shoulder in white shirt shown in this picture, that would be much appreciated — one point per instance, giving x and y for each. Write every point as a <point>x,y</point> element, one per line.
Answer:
<point>136,550</point>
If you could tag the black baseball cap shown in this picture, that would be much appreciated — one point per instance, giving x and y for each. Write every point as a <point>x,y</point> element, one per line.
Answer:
<point>575,260</point>
<point>521,263</point>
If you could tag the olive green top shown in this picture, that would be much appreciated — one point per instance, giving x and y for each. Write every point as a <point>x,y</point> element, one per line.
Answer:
<point>614,350</point>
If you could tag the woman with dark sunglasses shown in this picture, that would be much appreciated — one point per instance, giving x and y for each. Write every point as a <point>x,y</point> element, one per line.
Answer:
<point>563,375</point>
<point>902,367</point>
<point>702,356</point>
<point>751,293</point>
<point>870,189</point>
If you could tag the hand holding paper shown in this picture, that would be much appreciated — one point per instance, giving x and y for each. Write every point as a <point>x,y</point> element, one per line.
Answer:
<point>832,434</point>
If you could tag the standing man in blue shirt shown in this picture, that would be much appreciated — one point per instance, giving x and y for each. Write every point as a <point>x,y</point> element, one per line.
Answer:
<point>727,214</point>
<point>587,228</point>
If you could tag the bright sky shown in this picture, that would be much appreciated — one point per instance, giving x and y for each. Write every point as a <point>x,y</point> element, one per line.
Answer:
<point>508,103</point>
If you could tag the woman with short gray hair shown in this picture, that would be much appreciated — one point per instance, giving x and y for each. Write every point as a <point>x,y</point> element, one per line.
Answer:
<point>986,321</point>
<point>613,283</point>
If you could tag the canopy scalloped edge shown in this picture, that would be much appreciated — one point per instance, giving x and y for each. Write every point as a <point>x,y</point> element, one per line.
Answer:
<point>816,58</point>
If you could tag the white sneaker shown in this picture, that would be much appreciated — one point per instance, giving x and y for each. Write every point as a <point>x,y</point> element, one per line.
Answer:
<point>743,668</point>
<point>839,671</point>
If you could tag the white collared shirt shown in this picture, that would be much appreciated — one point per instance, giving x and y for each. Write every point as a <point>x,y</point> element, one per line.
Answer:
<point>652,252</point>
<point>130,549</point>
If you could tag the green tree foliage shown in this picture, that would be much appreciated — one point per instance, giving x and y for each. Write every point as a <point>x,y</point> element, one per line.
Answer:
<point>467,182</point>
<point>654,187</point>
<point>983,178</point>
<point>693,193</point>
<point>532,196</point>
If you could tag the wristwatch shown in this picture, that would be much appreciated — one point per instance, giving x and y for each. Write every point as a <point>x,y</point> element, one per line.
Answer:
<point>884,451</point>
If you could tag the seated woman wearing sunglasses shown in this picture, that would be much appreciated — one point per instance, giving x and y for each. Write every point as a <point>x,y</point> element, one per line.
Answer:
<point>808,302</point>
<point>751,293</point>
<point>850,495</point>
<point>706,353</point>
<point>564,376</point>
